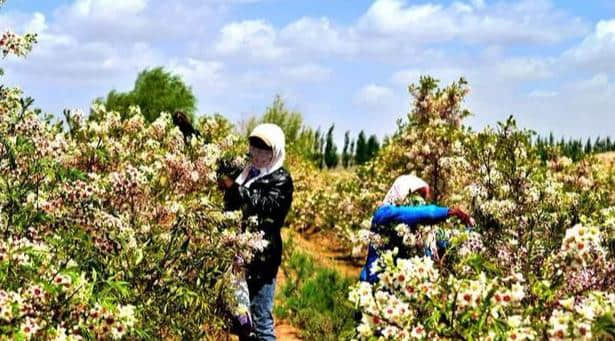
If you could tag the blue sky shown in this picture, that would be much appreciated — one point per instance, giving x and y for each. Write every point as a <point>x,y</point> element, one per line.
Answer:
<point>549,63</point>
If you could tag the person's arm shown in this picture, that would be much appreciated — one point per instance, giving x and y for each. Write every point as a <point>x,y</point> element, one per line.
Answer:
<point>464,217</point>
<point>423,214</point>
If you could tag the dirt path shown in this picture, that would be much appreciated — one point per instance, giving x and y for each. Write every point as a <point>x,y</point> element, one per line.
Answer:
<point>284,331</point>
<point>327,252</point>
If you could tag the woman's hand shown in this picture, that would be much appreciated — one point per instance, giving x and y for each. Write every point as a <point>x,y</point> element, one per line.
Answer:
<point>464,217</point>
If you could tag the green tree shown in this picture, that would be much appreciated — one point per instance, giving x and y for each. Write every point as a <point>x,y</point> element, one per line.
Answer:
<point>345,154</point>
<point>351,156</point>
<point>291,122</point>
<point>331,157</point>
<point>598,145</point>
<point>300,139</point>
<point>316,151</point>
<point>372,147</point>
<point>155,91</point>
<point>588,146</point>
<point>361,155</point>
<point>321,152</point>
<point>576,150</point>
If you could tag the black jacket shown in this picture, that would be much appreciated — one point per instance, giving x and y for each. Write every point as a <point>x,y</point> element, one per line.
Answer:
<point>269,198</point>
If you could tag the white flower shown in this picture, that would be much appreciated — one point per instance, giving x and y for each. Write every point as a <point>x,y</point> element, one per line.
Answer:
<point>587,311</point>
<point>365,330</point>
<point>567,303</point>
<point>514,321</point>
<point>390,332</point>
<point>584,331</point>
<point>518,292</point>
<point>418,332</point>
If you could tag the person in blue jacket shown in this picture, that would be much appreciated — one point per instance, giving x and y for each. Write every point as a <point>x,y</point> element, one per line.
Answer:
<point>390,213</point>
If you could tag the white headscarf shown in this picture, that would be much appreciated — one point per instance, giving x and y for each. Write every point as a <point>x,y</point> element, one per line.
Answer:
<point>403,186</point>
<point>273,136</point>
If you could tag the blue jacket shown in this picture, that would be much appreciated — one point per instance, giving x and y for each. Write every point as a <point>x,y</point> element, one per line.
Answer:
<point>387,215</point>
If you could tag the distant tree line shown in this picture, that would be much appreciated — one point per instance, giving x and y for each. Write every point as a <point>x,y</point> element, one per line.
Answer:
<point>315,145</point>
<point>355,152</point>
<point>575,149</point>
<point>157,90</point>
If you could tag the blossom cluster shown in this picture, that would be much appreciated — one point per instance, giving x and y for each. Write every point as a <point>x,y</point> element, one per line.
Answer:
<point>581,243</point>
<point>11,43</point>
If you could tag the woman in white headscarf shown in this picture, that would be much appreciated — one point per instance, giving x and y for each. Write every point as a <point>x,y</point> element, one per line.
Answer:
<point>392,212</point>
<point>263,189</point>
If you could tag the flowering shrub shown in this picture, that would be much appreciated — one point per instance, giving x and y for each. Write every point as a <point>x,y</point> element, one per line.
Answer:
<point>539,264</point>
<point>413,300</point>
<point>121,217</point>
<point>108,223</point>
<point>324,200</point>
<point>113,228</point>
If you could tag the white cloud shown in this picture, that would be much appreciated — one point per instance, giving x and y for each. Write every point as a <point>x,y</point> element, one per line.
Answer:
<point>318,35</point>
<point>393,17</point>
<point>240,1</point>
<point>526,22</point>
<point>307,73</point>
<point>37,24</point>
<point>104,20</point>
<point>542,94</point>
<point>394,31</point>
<point>445,75</point>
<point>374,96</point>
<point>524,68</point>
<point>300,40</point>
<point>106,8</point>
<point>479,4</point>
<point>106,42</point>
<point>21,22</point>
<point>581,108</point>
<point>597,83</point>
<point>597,51</point>
<point>97,63</point>
<point>136,20</point>
<point>254,38</point>
<point>206,75</point>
